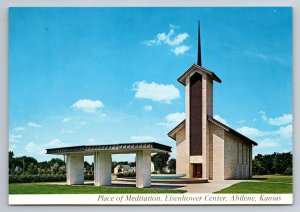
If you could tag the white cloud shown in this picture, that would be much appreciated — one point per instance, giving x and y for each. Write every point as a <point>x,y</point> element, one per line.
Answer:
<point>278,121</point>
<point>282,120</point>
<point>19,129</point>
<point>40,149</point>
<point>35,125</point>
<point>31,147</point>
<point>220,119</point>
<point>180,49</point>
<point>139,139</point>
<point>285,131</point>
<point>251,132</point>
<point>172,119</point>
<point>265,56</point>
<point>179,39</point>
<point>175,117</point>
<point>54,142</point>
<point>273,139</point>
<point>87,105</point>
<point>12,147</point>
<point>242,121</point>
<point>82,123</point>
<point>171,40</point>
<point>15,138</point>
<point>268,143</point>
<point>147,108</point>
<point>156,92</point>
<point>66,120</point>
<point>91,141</point>
<point>63,130</point>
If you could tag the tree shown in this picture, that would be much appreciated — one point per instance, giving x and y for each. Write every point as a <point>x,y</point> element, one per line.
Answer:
<point>60,162</point>
<point>32,169</point>
<point>54,168</point>
<point>276,163</point>
<point>160,161</point>
<point>132,164</point>
<point>10,161</point>
<point>172,165</point>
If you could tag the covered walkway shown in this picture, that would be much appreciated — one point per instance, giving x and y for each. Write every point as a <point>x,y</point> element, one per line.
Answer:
<point>103,160</point>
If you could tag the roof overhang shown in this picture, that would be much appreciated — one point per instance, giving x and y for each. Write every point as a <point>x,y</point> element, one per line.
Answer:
<point>195,68</point>
<point>230,130</point>
<point>172,133</point>
<point>125,148</point>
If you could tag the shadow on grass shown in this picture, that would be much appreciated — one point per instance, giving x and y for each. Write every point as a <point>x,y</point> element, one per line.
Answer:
<point>259,178</point>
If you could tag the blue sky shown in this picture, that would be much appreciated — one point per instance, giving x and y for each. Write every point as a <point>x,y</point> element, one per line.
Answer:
<point>109,75</point>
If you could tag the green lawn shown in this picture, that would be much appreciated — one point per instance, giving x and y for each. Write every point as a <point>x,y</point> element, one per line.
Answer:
<point>43,188</point>
<point>268,184</point>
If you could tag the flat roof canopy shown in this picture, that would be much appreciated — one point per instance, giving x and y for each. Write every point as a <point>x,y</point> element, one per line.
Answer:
<point>113,148</point>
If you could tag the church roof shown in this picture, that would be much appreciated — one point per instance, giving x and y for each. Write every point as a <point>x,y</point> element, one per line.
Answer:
<point>228,129</point>
<point>195,67</point>
<point>173,132</point>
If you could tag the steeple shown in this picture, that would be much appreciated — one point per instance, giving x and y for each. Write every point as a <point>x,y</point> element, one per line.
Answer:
<point>199,61</point>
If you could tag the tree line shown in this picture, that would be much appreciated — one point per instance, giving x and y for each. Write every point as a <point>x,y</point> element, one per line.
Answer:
<point>28,169</point>
<point>25,165</point>
<point>276,163</point>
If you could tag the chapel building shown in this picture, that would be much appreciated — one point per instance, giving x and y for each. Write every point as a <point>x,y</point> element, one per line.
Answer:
<point>205,147</point>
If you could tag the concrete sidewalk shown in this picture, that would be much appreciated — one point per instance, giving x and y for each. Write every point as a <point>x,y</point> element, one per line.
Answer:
<point>210,187</point>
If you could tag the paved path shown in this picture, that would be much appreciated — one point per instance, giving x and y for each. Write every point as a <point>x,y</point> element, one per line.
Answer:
<point>210,187</point>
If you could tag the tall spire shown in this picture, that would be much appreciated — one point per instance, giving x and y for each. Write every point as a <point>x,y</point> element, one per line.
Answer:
<point>199,61</point>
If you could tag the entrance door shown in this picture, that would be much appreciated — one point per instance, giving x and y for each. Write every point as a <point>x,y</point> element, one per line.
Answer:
<point>197,170</point>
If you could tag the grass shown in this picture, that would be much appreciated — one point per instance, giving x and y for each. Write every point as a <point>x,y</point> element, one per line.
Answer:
<point>267,184</point>
<point>273,178</point>
<point>42,188</point>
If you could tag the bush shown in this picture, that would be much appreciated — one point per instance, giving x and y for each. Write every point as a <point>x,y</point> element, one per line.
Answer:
<point>41,178</point>
<point>36,178</point>
<point>89,177</point>
<point>172,172</point>
<point>288,171</point>
<point>129,174</point>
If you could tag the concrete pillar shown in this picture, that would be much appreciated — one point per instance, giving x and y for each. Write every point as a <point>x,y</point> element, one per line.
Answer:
<point>75,169</point>
<point>143,169</point>
<point>102,168</point>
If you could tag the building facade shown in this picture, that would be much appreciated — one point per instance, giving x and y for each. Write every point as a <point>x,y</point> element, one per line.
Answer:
<point>205,147</point>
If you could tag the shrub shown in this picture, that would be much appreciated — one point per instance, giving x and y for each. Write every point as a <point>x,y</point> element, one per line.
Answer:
<point>129,174</point>
<point>41,178</point>
<point>288,171</point>
<point>35,178</point>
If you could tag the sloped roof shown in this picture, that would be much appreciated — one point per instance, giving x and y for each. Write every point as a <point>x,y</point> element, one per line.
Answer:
<point>173,132</point>
<point>228,129</point>
<point>195,67</point>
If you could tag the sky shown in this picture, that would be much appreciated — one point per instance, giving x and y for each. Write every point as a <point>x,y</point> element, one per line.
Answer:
<point>81,76</point>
